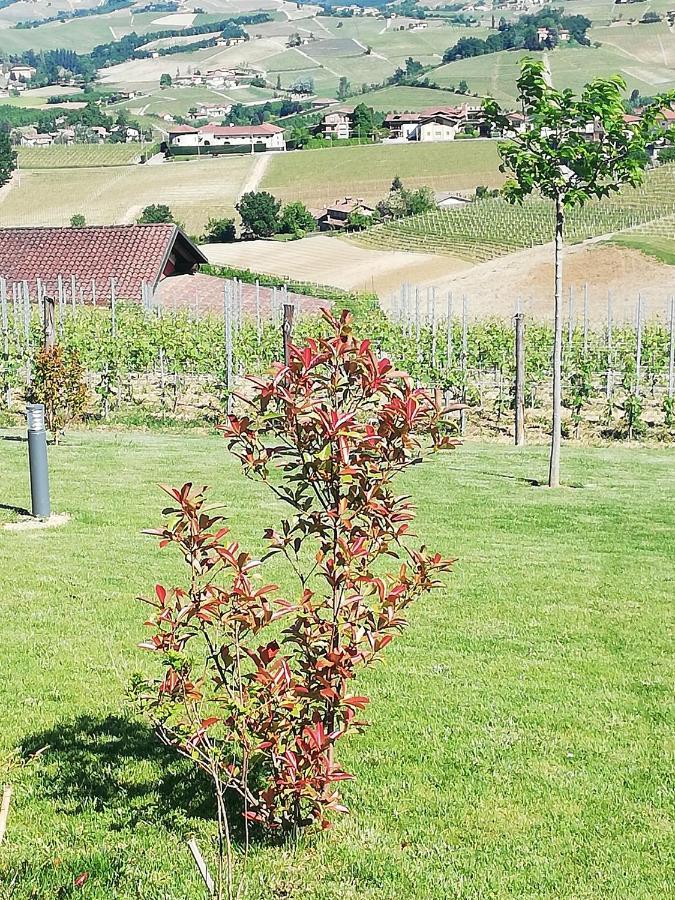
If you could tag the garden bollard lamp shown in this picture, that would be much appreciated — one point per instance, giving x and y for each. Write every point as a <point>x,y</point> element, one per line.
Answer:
<point>37,460</point>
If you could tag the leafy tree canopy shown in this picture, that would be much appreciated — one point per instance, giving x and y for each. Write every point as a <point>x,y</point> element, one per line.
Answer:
<point>259,211</point>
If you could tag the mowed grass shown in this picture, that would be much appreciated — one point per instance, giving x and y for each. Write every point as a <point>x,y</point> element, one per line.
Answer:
<point>520,729</point>
<point>659,246</point>
<point>63,157</point>
<point>195,191</point>
<point>321,176</point>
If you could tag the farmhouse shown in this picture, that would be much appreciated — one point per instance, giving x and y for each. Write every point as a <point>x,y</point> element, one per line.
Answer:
<point>22,73</point>
<point>268,137</point>
<point>133,255</point>
<point>336,124</point>
<point>336,216</point>
<point>436,124</point>
<point>213,110</point>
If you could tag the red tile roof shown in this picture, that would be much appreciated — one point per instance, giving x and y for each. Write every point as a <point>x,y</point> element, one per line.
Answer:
<point>224,130</point>
<point>132,254</point>
<point>201,294</point>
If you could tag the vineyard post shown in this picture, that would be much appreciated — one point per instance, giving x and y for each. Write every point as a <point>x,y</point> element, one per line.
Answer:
<point>417,321</point>
<point>59,291</point>
<point>48,323</point>
<point>40,298</point>
<point>570,318</point>
<point>433,328</point>
<point>258,318</point>
<point>113,312</point>
<point>520,380</point>
<point>585,319</point>
<point>465,345</point>
<point>73,294</point>
<point>26,326</point>
<point>610,360</point>
<point>93,292</point>
<point>227,313</point>
<point>671,355</point>
<point>287,332</point>
<point>15,314</point>
<point>638,345</point>
<point>5,334</point>
<point>448,325</point>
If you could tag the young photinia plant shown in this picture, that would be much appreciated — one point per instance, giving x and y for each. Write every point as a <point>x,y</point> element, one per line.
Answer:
<point>327,433</point>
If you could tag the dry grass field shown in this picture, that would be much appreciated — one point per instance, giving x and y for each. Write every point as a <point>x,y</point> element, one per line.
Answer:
<point>194,191</point>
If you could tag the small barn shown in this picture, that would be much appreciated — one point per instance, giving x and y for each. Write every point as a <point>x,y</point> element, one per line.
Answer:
<point>99,259</point>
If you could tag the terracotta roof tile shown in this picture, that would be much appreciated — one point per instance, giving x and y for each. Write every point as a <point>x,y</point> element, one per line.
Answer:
<point>132,254</point>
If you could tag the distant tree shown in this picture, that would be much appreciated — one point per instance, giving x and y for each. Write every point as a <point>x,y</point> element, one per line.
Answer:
<point>463,87</point>
<point>555,158</point>
<point>259,211</point>
<point>363,121</point>
<point>278,82</point>
<point>304,85</point>
<point>77,221</point>
<point>7,158</point>
<point>258,81</point>
<point>397,184</point>
<point>343,88</point>
<point>219,231</point>
<point>634,98</point>
<point>165,80</point>
<point>296,219</point>
<point>300,135</point>
<point>155,213</point>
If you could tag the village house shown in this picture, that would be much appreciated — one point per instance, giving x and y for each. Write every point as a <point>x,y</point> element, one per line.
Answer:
<point>221,78</point>
<point>435,124</point>
<point>213,110</point>
<point>134,255</point>
<point>267,137</point>
<point>22,73</point>
<point>336,124</point>
<point>336,215</point>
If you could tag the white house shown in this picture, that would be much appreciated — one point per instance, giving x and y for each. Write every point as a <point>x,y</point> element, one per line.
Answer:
<point>22,73</point>
<point>271,136</point>
<point>213,110</point>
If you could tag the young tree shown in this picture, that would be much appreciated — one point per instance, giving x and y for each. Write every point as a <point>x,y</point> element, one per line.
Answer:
<point>296,219</point>
<point>396,185</point>
<point>219,231</point>
<point>363,121</point>
<point>165,80</point>
<point>555,157</point>
<point>77,221</point>
<point>259,212</point>
<point>155,213</point>
<point>7,158</point>
<point>343,88</point>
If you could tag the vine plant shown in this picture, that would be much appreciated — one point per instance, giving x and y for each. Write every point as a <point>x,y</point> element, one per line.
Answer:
<point>327,434</point>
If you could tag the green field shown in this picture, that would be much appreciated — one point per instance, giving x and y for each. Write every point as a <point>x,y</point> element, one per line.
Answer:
<point>321,176</point>
<point>194,190</point>
<point>520,729</point>
<point>411,99</point>
<point>659,245</point>
<point>492,227</point>
<point>78,155</point>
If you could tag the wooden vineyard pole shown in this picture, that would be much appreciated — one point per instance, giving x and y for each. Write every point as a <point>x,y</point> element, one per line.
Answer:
<point>287,332</point>
<point>49,323</point>
<point>671,354</point>
<point>227,330</point>
<point>465,346</point>
<point>638,345</point>
<point>448,324</point>
<point>519,431</point>
<point>610,377</point>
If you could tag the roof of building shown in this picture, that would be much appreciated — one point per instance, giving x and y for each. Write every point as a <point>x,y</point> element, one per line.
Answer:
<point>245,130</point>
<point>348,205</point>
<point>131,254</point>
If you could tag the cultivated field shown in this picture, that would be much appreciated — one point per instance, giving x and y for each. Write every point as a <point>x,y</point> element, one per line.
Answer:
<point>321,176</point>
<point>328,260</point>
<point>78,155</point>
<point>493,227</point>
<point>519,728</point>
<point>194,191</point>
<point>411,99</point>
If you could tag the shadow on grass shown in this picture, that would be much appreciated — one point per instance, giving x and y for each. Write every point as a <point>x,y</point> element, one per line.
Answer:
<point>117,767</point>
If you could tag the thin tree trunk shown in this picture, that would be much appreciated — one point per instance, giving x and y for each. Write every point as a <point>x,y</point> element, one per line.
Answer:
<point>556,431</point>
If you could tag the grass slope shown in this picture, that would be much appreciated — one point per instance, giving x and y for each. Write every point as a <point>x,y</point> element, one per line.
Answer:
<point>658,246</point>
<point>520,727</point>
<point>64,157</point>
<point>320,176</point>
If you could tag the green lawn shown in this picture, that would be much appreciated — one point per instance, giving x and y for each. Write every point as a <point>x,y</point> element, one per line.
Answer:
<point>520,728</point>
<point>659,246</point>
<point>320,176</point>
<point>78,155</point>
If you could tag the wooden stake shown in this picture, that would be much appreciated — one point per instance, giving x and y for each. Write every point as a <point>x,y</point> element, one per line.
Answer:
<point>4,810</point>
<point>519,432</point>
<point>201,865</point>
<point>610,377</point>
<point>49,325</point>
<point>671,359</point>
<point>638,347</point>
<point>465,347</point>
<point>287,332</point>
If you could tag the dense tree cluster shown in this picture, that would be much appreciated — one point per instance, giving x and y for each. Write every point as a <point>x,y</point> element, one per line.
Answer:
<point>522,35</point>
